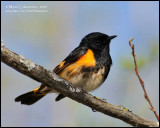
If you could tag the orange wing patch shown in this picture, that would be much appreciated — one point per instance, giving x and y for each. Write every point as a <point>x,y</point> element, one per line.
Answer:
<point>60,67</point>
<point>61,64</point>
<point>87,59</point>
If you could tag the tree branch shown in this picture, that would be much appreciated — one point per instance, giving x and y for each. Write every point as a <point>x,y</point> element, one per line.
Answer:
<point>40,74</point>
<point>140,79</point>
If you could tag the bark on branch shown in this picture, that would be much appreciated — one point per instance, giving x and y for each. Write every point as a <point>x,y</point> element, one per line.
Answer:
<point>40,74</point>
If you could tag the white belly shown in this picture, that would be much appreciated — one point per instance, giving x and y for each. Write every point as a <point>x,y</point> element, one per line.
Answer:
<point>86,80</point>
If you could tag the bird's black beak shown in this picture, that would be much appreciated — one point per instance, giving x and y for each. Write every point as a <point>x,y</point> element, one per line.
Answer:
<point>111,37</point>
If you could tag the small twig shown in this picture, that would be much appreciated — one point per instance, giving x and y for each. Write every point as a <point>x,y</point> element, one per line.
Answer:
<point>141,81</point>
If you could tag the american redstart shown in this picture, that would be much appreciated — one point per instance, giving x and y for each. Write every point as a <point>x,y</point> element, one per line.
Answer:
<point>86,67</point>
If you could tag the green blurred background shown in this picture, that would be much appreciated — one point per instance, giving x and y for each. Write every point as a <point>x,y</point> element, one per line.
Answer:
<point>48,37</point>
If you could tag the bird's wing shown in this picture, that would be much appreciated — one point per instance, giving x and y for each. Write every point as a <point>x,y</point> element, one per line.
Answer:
<point>71,58</point>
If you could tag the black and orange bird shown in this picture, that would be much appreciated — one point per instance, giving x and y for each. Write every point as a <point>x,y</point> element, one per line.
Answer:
<point>86,67</point>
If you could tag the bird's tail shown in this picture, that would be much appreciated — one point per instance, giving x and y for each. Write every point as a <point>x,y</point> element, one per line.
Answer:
<point>31,97</point>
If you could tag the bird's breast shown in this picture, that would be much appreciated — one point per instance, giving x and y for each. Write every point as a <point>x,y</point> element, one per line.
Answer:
<point>86,78</point>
